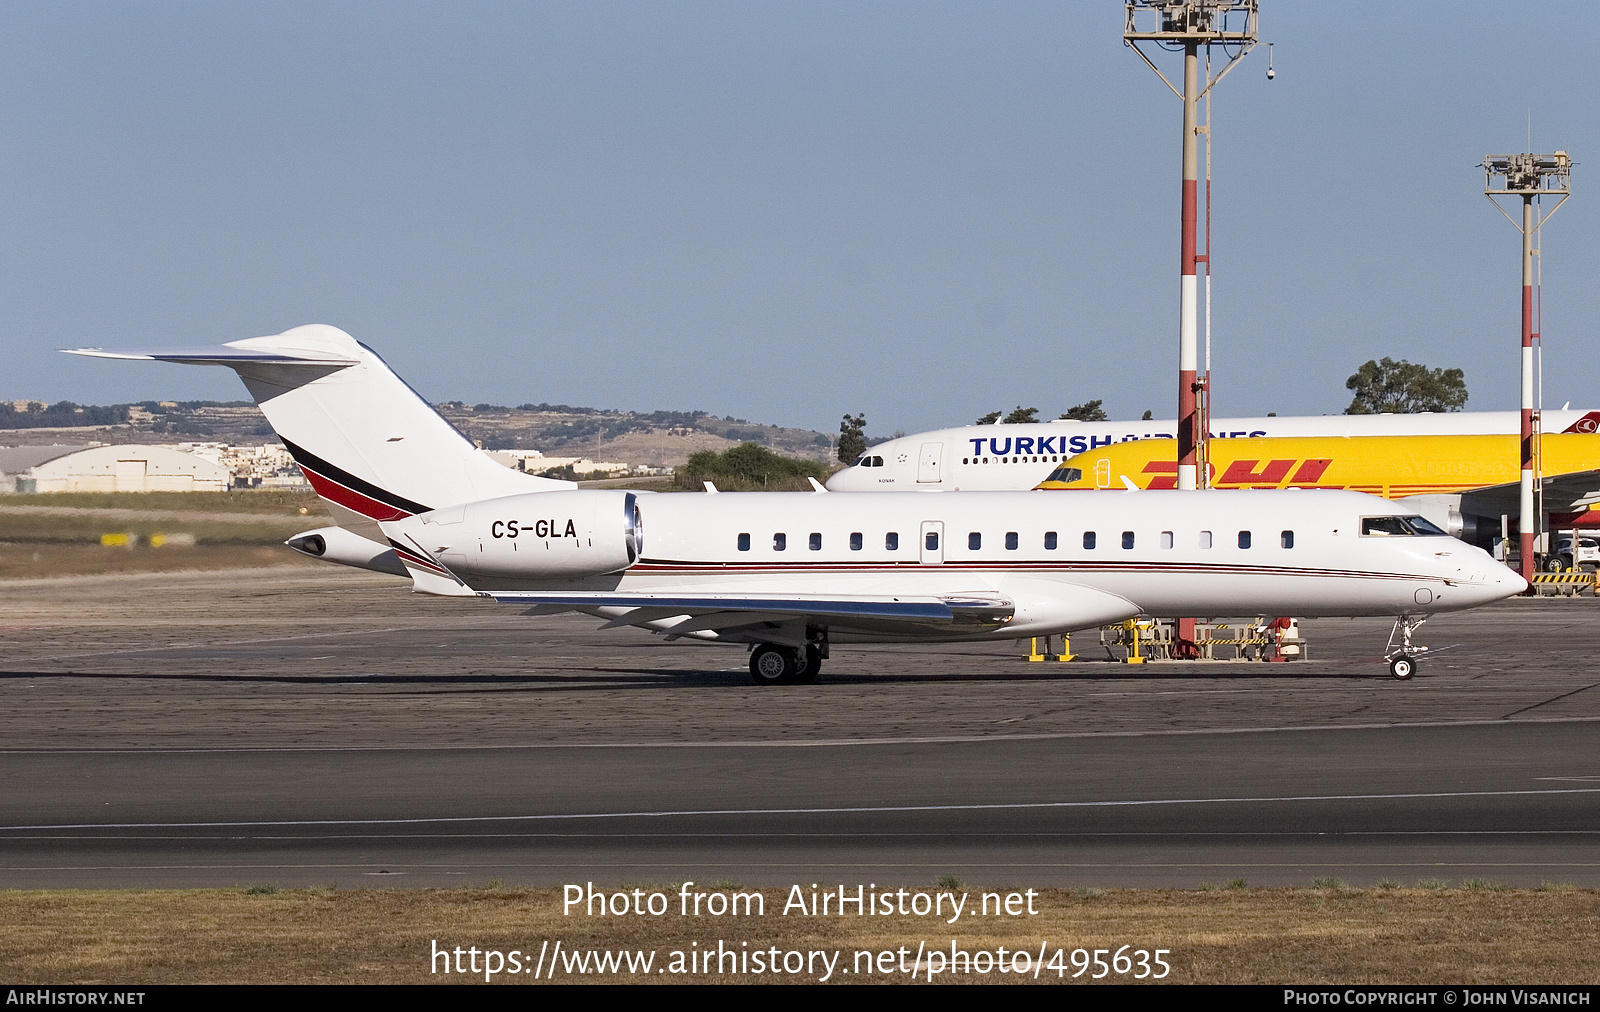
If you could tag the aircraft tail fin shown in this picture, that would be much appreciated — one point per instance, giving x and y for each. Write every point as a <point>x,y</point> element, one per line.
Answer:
<point>372,448</point>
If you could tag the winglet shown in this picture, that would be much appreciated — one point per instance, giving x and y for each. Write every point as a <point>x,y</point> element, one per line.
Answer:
<point>1131,486</point>
<point>710,488</point>
<point>816,486</point>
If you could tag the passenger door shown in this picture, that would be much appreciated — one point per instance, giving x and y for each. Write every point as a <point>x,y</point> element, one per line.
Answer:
<point>928,462</point>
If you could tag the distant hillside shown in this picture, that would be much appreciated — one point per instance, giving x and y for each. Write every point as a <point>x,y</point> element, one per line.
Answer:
<point>662,438</point>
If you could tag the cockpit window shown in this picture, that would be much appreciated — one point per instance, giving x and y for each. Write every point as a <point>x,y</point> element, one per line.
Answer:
<point>869,461</point>
<point>1065,474</point>
<point>1400,527</point>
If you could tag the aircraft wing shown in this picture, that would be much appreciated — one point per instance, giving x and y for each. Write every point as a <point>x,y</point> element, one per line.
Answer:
<point>680,614</point>
<point>1562,493</point>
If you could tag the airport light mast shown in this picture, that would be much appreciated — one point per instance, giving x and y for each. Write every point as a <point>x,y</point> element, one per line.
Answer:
<point>1531,177</point>
<point>1185,26</point>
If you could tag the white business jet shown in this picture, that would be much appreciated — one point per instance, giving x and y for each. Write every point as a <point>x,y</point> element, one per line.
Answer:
<point>791,573</point>
<point>1020,456</point>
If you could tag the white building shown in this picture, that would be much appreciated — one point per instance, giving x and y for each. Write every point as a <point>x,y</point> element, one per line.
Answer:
<point>534,462</point>
<point>124,468</point>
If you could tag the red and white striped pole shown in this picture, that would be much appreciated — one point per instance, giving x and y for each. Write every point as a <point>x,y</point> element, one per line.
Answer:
<point>1529,523</point>
<point>1189,297</point>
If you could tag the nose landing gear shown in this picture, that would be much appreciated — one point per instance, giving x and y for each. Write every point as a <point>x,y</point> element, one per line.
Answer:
<point>1403,657</point>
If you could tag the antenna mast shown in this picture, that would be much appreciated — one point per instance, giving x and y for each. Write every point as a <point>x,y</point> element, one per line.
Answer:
<point>1185,26</point>
<point>1531,177</point>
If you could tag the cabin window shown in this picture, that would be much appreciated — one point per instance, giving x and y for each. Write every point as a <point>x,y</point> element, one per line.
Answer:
<point>1088,539</point>
<point>816,542</point>
<point>780,542</point>
<point>974,541</point>
<point>1286,539</point>
<point>1166,539</point>
<point>891,541</point>
<point>1127,539</point>
<point>1205,539</point>
<point>1244,539</point>
<point>931,542</point>
<point>1011,541</point>
<point>744,542</point>
<point>1049,541</point>
<point>855,542</point>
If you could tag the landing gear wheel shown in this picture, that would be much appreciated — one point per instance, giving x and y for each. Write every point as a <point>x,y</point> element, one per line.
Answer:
<point>810,668</point>
<point>774,665</point>
<point>1402,667</point>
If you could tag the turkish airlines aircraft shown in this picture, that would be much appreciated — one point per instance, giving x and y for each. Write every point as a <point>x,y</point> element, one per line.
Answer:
<point>996,457</point>
<point>791,573</point>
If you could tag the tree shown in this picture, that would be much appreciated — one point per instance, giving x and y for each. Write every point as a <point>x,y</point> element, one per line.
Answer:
<point>1022,414</point>
<point>989,419</point>
<point>1088,411</point>
<point>852,438</point>
<point>1146,417</point>
<point>748,466</point>
<point>1404,388</point>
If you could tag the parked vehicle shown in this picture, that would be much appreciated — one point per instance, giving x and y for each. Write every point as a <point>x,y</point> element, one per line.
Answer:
<point>1561,560</point>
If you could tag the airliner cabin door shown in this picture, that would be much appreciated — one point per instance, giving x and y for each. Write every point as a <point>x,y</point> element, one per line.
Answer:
<point>928,463</point>
<point>932,543</point>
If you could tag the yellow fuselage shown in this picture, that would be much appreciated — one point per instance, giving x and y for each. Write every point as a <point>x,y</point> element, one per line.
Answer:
<point>1389,466</point>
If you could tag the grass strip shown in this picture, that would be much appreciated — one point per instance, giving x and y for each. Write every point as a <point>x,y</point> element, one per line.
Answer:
<point>1483,935</point>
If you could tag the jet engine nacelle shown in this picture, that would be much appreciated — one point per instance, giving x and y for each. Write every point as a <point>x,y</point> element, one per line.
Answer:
<point>335,544</point>
<point>534,536</point>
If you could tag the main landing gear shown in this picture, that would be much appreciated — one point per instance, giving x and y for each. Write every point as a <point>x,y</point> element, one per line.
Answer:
<point>1403,656</point>
<point>774,664</point>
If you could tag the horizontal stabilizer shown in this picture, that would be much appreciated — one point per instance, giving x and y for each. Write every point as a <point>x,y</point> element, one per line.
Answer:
<point>221,354</point>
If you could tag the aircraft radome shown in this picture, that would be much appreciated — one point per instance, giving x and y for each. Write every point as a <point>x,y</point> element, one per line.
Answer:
<point>788,573</point>
<point>1020,456</point>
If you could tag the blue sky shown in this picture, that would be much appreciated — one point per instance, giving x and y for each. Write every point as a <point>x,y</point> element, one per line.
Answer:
<point>778,211</point>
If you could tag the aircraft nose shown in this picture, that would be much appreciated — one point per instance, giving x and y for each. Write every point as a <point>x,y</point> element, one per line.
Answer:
<point>1481,580</point>
<point>1500,582</point>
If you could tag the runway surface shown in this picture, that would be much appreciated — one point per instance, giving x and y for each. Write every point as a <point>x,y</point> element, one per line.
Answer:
<point>309,727</point>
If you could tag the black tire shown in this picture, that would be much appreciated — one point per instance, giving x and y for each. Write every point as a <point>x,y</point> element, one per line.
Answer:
<point>771,664</point>
<point>1403,667</point>
<point>1555,564</point>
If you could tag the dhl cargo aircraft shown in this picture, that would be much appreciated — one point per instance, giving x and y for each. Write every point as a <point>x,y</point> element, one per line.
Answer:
<point>1462,483</point>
